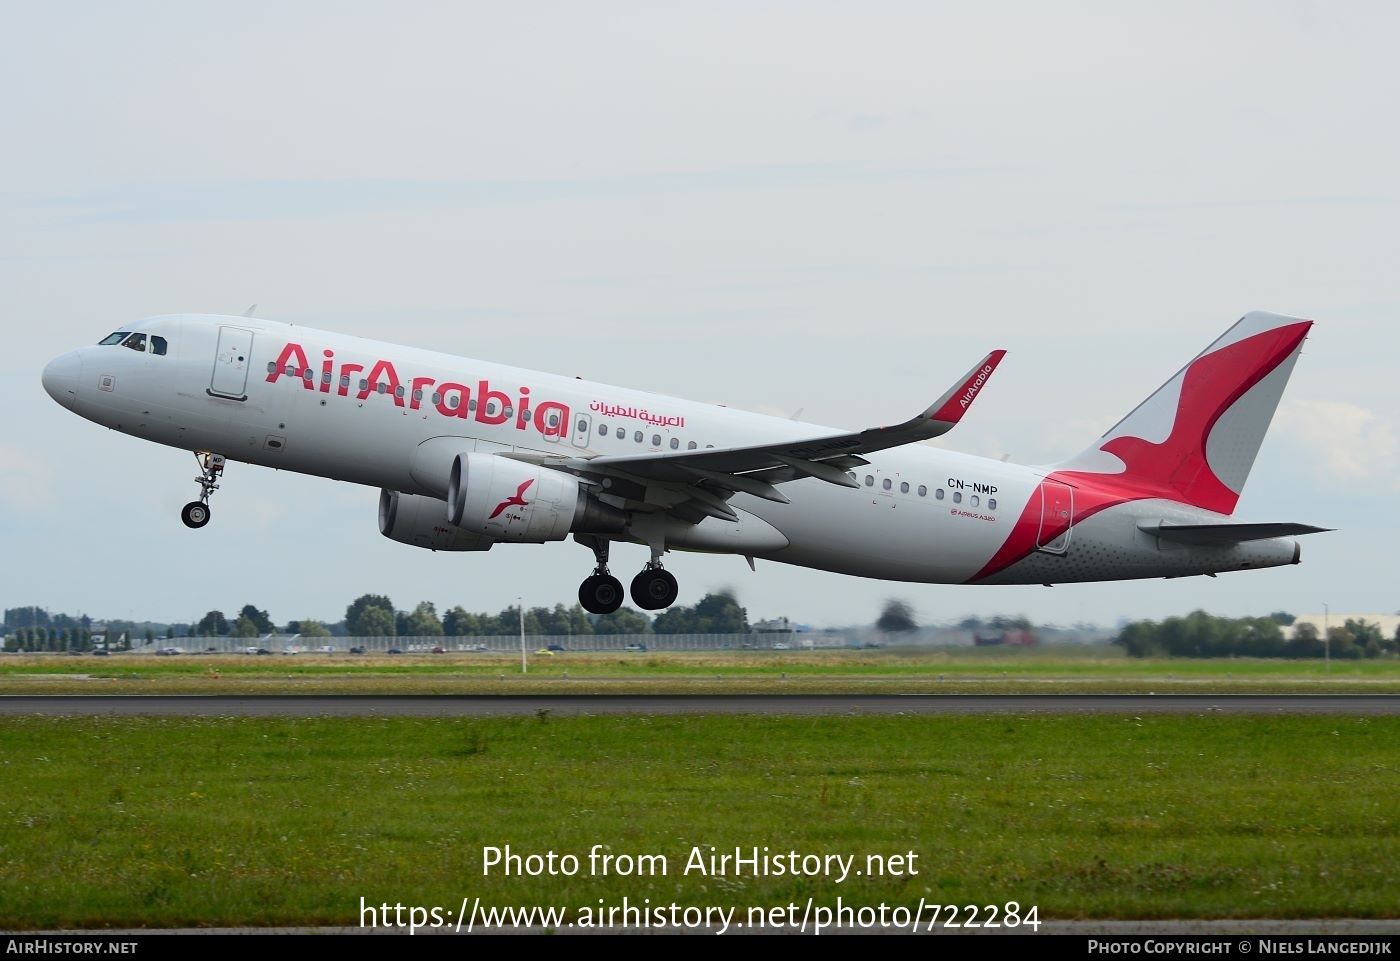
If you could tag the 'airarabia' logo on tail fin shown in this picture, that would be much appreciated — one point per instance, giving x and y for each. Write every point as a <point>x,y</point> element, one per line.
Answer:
<point>517,500</point>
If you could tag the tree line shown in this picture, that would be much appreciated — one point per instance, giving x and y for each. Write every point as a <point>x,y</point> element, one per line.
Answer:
<point>375,615</point>
<point>1199,634</point>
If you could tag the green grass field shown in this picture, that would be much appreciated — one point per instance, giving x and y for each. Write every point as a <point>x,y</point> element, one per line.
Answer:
<point>964,670</point>
<point>152,822</point>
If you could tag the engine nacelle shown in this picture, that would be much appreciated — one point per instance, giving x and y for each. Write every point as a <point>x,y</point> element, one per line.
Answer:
<point>421,522</point>
<point>509,500</point>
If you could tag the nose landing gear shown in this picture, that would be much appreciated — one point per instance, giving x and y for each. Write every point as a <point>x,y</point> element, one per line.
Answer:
<point>195,514</point>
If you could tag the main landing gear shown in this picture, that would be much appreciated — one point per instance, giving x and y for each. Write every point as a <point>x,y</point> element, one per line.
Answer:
<point>195,514</point>
<point>601,593</point>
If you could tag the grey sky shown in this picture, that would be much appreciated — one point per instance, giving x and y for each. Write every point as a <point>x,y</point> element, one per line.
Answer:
<point>832,207</point>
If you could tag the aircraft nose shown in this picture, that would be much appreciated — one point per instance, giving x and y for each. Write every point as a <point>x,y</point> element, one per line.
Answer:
<point>61,378</point>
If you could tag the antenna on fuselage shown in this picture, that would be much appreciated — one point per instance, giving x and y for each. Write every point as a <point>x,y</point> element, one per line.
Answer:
<point>250,311</point>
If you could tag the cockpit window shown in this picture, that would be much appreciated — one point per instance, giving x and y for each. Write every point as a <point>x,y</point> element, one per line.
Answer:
<point>136,342</point>
<point>112,338</point>
<point>158,344</point>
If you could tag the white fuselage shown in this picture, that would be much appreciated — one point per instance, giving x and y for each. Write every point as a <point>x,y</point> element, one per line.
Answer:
<point>393,417</point>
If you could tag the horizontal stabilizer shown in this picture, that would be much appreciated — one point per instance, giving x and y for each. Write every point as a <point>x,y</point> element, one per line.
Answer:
<point>1221,535</point>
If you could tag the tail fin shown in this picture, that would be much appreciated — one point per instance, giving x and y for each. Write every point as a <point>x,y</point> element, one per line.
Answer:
<point>1195,439</point>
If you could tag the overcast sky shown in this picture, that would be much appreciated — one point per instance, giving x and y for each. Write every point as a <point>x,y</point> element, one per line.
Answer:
<point>832,207</point>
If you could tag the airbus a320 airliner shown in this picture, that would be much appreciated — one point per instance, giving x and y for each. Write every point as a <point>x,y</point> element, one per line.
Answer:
<point>468,454</point>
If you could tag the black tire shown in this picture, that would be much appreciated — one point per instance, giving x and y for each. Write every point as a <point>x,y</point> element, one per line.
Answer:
<point>654,589</point>
<point>195,514</point>
<point>600,594</point>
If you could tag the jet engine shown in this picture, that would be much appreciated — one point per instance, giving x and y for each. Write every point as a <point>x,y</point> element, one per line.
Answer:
<point>509,500</point>
<point>421,522</point>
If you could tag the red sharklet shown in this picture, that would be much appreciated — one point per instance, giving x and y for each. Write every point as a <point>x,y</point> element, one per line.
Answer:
<point>961,399</point>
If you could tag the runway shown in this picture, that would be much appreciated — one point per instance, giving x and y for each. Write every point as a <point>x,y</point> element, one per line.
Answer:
<point>408,705</point>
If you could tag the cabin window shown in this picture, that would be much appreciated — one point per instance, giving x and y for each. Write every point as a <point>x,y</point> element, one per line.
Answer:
<point>675,443</point>
<point>345,383</point>
<point>602,430</point>
<point>869,480</point>
<point>690,445</point>
<point>417,393</point>
<point>364,385</point>
<point>904,487</point>
<point>938,494</point>
<point>655,440</point>
<point>326,379</point>
<point>381,387</point>
<point>552,420</point>
<point>158,345</point>
<point>975,500</point>
<point>471,406</point>
<point>622,433</point>
<point>923,490</point>
<point>508,410</point>
<point>991,503</point>
<point>887,484</point>
<point>271,365</point>
<point>709,446</point>
<point>308,375</point>
<point>582,426</point>
<point>637,437</point>
<point>957,497</point>
<point>398,392</point>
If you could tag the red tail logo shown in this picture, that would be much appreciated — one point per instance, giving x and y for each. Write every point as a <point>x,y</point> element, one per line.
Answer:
<point>518,500</point>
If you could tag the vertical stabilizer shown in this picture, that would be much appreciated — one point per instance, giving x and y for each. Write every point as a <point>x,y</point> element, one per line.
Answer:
<point>1195,439</point>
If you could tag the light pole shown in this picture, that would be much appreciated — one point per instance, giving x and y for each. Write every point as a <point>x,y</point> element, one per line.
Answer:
<point>521,602</point>
<point>1326,640</point>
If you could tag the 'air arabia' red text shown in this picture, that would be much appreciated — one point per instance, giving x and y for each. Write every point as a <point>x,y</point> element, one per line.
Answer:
<point>449,399</point>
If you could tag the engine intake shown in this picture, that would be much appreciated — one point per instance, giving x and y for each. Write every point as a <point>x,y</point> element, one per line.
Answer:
<point>508,500</point>
<point>420,522</point>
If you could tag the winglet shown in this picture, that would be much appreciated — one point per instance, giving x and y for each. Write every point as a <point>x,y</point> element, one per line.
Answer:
<point>949,408</point>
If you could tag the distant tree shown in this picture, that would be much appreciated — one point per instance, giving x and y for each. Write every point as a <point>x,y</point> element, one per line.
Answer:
<point>423,621</point>
<point>310,628</point>
<point>31,617</point>
<point>358,610</point>
<point>896,617</point>
<point>624,620</point>
<point>244,627</point>
<point>260,620</point>
<point>1282,618</point>
<point>716,613</point>
<point>373,622</point>
<point>213,624</point>
<point>677,619</point>
<point>1305,642</point>
<point>561,620</point>
<point>150,635</point>
<point>459,623</point>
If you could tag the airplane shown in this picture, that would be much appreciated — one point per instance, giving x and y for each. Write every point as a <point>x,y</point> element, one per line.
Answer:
<point>469,454</point>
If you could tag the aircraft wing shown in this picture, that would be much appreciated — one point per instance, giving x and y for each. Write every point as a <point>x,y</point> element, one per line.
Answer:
<point>699,481</point>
